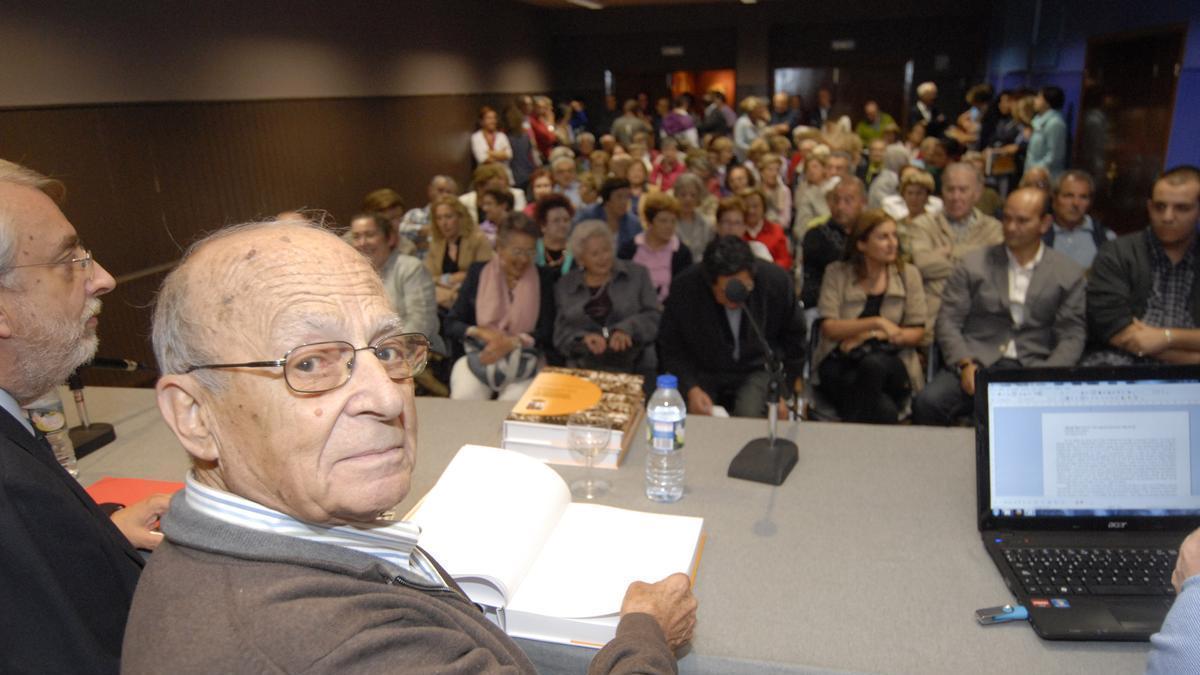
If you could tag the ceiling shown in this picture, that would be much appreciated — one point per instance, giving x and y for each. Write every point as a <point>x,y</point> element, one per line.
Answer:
<point>564,4</point>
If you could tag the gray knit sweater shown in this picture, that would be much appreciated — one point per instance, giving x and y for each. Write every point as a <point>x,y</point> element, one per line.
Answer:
<point>217,598</point>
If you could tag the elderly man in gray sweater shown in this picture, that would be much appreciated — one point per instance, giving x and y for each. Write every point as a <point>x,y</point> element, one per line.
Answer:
<point>276,558</point>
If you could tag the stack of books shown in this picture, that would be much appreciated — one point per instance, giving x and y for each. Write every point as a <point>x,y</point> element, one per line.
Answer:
<point>537,425</point>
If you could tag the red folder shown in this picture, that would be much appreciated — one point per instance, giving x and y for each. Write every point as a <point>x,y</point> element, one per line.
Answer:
<point>126,491</point>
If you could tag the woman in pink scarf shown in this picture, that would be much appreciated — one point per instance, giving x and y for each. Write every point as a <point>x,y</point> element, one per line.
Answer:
<point>504,317</point>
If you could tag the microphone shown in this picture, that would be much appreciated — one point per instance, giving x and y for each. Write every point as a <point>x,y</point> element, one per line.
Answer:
<point>89,436</point>
<point>106,363</point>
<point>763,460</point>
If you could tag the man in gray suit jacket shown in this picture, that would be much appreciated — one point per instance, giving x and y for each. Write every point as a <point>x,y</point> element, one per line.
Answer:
<point>1012,305</point>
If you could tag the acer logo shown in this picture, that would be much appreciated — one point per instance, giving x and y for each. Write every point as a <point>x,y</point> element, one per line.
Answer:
<point>1117,524</point>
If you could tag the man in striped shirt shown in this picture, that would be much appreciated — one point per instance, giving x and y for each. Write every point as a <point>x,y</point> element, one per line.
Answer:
<point>288,379</point>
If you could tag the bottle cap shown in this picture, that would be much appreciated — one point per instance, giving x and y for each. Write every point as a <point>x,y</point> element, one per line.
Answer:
<point>667,382</point>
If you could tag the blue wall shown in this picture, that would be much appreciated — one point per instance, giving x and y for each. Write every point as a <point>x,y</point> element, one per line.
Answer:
<point>1061,53</point>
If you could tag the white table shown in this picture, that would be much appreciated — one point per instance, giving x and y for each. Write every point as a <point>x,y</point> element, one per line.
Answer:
<point>866,559</point>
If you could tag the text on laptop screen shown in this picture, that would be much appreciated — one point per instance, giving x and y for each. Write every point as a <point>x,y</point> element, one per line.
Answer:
<point>1094,448</point>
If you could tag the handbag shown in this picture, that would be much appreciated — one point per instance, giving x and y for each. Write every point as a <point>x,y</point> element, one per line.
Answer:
<point>519,364</point>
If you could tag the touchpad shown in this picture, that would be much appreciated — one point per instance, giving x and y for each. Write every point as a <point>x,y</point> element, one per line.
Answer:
<point>1140,614</point>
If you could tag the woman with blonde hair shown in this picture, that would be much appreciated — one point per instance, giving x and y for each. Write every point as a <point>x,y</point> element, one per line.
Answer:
<point>455,243</point>
<point>873,318</point>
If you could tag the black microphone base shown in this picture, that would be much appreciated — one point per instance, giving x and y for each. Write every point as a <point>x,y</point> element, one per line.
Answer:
<point>762,462</point>
<point>90,439</point>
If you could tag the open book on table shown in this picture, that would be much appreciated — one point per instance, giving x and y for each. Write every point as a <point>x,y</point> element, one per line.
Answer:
<point>503,525</point>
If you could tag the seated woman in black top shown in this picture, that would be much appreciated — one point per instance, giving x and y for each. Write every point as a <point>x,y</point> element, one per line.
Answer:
<point>873,306</point>
<point>607,310</point>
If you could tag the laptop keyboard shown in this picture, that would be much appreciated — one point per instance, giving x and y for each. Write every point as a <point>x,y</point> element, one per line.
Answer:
<point>1093,571</point>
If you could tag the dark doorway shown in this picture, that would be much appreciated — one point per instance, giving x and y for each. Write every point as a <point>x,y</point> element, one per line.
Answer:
<point>851,86</point>
<point>1125,120</point>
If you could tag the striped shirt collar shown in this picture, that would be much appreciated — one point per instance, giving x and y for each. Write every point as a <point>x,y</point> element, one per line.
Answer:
<point>393,541</point>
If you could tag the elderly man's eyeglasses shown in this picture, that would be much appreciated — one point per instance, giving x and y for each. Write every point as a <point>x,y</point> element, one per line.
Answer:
<point>84,261</point>
<point>323,366</point>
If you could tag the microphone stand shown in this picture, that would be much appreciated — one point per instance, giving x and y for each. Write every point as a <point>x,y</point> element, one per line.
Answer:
<point>88,436</point>
<point>766,460</point>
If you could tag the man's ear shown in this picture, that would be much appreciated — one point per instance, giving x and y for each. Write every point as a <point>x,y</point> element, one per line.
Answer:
<point>183,407</point>
<point>1047,221</point>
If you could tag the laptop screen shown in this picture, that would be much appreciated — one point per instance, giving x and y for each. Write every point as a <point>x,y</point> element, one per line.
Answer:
<point>1094,448</point>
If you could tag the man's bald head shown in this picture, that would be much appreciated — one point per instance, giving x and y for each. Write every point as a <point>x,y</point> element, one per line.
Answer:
<point>228,285</point>
<point>245,301</point>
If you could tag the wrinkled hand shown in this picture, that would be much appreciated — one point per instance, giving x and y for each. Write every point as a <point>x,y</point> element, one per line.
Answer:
<point>595,343</point>
<point>670,602</point>
<point>1188,564</point>
<point>698,402</point>
<point>619,341</point>
<point>137,521</point>
<point>497,348</point>
<point>968,378</point>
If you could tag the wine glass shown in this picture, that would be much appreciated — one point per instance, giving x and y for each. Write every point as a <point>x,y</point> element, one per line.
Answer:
<point>587,436</point>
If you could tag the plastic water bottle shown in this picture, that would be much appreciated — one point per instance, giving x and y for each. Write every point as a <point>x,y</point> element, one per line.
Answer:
<point>665,417</point>
<point>48,417</point>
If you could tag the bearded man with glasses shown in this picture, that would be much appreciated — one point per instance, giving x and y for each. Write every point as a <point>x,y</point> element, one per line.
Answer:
<point>66,573</point>
<point>289,382</point>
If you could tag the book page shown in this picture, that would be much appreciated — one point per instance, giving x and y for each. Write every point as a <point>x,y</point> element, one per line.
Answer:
<point>597,551</point>
<point>488,516</point>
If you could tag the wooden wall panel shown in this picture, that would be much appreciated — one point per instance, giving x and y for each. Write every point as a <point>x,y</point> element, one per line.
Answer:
<point>143,181</point>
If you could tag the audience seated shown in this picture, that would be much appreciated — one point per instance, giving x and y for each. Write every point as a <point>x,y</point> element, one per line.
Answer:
<point>776,191</point>
<point>553,214</point>
<point>607,311</point>
<point>762,230</point>
<point>1143,297</point>
<point>1011,305</point>
<point>495,204</point>
<point>915,200</point>
<point>809,200</point>
<point>415,224</point>
<point>486,176</point>
<point>669,166</point>
<point>656,247</point>
<point>455,244</point>
<point>887,181</point>
<point>387,203</point>
<point>540,185</point>
<point>707,342</point>
<point>504,317</point>
<point>940,240</point>
<point>614,210</point>
<point>566,179</point>
<point>731,222</point>
<point>873,311</point>
<point>694,228</point>
<point>870,127</point>
<point>1074,231</point>
<point>867,171</point>
<point>489,143</point>
<point>406,282</point>
<point>826,242</point>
